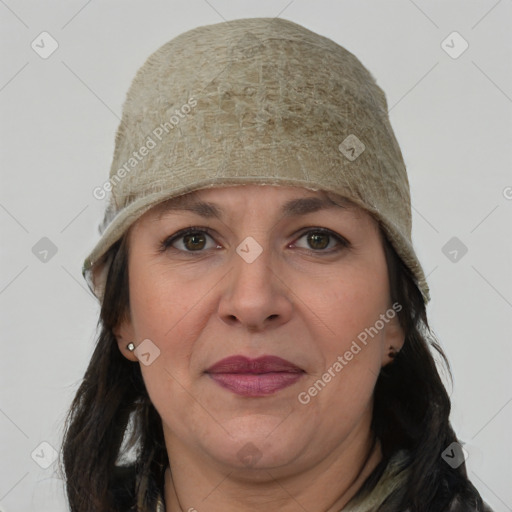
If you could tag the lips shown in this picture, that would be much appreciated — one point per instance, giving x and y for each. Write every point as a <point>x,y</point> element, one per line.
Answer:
<point>254,377</point>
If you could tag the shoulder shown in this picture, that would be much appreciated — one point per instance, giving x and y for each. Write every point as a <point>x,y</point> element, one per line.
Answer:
<point>452,493</point>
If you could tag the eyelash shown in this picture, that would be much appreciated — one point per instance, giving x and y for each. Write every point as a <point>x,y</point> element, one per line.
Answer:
<point>166,244</point>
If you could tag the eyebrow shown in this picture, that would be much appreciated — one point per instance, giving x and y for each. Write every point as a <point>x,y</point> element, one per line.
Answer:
<point>301,206</point>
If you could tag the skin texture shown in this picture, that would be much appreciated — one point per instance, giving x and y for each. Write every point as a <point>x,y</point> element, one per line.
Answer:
<point>304,301</point>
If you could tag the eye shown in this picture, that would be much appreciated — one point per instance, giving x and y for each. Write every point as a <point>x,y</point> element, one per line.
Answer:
<point>320,239</point>
<point>199,239</point>
<point>192,239</point>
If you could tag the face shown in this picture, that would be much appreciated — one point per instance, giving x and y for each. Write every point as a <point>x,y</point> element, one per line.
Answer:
<point>268,315</point>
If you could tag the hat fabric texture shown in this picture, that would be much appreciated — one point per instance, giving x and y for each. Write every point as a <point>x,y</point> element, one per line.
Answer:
<point>254,101</point>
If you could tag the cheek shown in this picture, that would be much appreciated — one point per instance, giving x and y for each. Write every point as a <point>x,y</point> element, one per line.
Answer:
<point>350,300</point>
<point>159,300</point>
<point>349,305</point>
<point>172,309</point>
<point>163,311</point>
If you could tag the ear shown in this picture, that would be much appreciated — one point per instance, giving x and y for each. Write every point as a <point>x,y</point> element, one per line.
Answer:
<point>393,340</point>
<point>125,334</point>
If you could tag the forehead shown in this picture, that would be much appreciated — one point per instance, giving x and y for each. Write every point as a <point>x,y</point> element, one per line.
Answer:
<point>291,201</point>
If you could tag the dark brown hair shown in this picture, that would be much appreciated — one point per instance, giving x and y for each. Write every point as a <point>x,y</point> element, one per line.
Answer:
<point>112,415</point>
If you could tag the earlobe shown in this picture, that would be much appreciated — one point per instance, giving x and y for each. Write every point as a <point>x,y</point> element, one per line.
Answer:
<point>392,352</point>
<point>393,342</point>
<point>125,340</point>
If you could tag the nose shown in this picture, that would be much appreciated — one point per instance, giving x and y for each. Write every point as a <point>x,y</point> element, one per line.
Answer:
<point>255,295</point>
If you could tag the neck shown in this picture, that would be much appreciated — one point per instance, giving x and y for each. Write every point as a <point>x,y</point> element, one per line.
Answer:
<point>328,486</point>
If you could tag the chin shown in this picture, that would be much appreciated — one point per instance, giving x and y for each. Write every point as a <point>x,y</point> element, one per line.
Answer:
<point>257,444</point>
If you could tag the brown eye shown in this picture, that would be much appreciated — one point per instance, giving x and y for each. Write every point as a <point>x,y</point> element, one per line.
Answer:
<point>189,240</point>
<point>322,240</point>
<point>194,241</point>
<point>318,240</point>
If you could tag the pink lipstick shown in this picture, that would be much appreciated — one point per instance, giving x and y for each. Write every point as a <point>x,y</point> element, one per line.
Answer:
<point>254,377</point>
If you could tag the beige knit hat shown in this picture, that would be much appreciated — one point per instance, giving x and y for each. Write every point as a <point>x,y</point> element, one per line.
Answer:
<point>257,100</point>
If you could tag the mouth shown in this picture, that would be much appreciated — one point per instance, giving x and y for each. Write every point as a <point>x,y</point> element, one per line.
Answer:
<point>254,377</point>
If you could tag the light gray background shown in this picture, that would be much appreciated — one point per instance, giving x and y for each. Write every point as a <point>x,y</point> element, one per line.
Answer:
<point>452,118</point>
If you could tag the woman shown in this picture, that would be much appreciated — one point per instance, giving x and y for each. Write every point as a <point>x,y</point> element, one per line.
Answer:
<point>264,341</point>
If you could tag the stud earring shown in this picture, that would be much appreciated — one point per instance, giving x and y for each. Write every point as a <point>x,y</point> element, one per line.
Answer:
<point>130,347</point>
